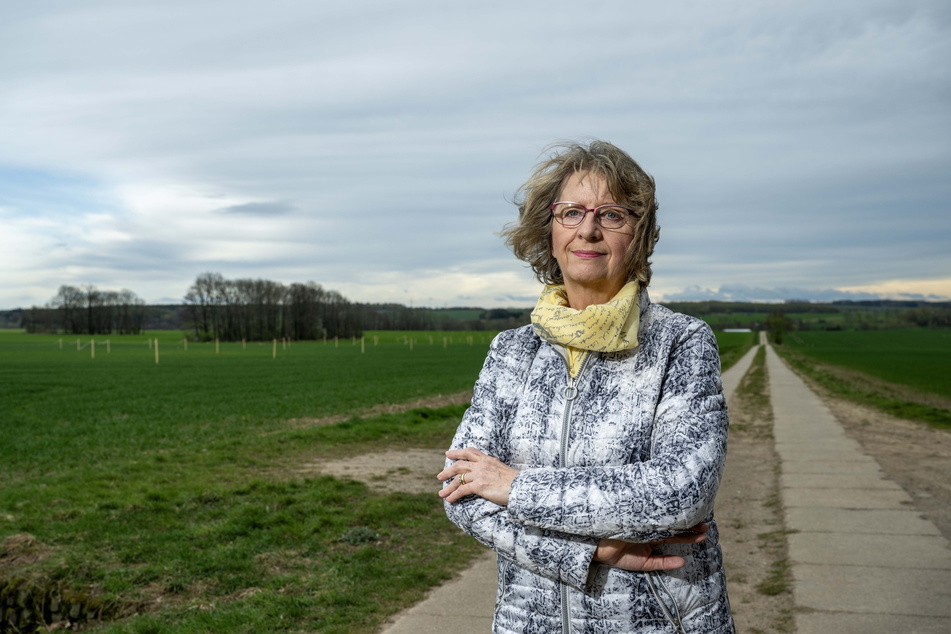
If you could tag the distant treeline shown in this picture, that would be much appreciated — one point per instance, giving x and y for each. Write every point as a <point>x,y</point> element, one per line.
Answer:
<point>262,310</point>
<point>249,309</point>
<point>805,315</point>
<point>88,311</point>
<point>232,310</point>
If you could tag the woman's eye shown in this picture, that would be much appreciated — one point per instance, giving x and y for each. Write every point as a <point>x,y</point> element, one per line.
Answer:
<point>573,212</point>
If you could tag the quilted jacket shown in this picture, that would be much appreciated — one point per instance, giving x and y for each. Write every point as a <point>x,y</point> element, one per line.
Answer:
<point>631,449</point>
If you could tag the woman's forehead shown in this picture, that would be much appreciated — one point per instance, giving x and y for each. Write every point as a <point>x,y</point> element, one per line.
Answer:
<point>586,181</point>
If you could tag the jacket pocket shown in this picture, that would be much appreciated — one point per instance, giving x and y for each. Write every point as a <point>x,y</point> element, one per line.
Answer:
<point>685,596</point>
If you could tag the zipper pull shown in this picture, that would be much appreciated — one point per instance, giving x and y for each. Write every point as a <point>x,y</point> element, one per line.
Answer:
<point>570,391</point>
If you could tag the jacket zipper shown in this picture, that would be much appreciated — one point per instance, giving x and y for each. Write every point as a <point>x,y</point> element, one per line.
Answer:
<point>570,393</point>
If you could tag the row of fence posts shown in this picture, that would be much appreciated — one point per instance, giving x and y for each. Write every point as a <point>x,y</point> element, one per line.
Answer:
<point>92,347</point>
<point>407,340</point>
<point>154,345</point>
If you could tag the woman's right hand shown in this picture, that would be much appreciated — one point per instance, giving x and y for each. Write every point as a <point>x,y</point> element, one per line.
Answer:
<point>641,557</point>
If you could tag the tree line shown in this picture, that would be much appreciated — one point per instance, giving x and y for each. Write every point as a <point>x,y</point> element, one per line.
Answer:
<point>86,310</point>
<point>262,310</point>
<point>249,309</point>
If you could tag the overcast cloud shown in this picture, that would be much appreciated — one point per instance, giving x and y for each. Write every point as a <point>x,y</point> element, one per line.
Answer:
<point>801,149</point>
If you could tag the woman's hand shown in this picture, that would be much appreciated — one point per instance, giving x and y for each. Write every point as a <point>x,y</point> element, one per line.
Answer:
<point>476,473</point>
<point>641,557</point>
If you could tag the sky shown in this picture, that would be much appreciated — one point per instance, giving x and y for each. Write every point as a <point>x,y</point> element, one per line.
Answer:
<point>801,149</point>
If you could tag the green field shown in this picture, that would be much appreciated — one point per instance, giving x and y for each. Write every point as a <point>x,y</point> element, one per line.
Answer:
<point>901,372</point>
<point>74,401</point>
<point>734,345</point>
<point>180,480</point>
<point>919,359</point>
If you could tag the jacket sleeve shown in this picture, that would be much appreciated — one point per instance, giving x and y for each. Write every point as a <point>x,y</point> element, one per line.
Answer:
<point>668,493</point>
<point>552,554</point>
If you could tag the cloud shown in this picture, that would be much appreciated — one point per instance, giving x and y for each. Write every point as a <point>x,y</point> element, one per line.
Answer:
<point>795,145</point>
<point>270,208</point>
<point>743,293</point>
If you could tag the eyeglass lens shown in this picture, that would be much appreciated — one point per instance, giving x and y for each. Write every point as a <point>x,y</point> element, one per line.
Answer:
<point>608,216</point>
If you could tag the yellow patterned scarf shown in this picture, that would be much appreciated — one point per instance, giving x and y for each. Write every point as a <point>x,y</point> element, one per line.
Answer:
<point>609,327</point>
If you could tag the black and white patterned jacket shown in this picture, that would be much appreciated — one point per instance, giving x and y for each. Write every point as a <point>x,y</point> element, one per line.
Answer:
<point>632,450</point>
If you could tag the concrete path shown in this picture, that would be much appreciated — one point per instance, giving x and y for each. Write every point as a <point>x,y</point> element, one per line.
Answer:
<point>863,560</point>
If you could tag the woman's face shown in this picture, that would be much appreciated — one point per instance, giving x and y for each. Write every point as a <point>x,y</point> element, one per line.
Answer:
<point>592,259</point>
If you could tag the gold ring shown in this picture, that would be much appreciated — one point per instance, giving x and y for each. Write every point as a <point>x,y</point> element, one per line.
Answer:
<point>462,479</point>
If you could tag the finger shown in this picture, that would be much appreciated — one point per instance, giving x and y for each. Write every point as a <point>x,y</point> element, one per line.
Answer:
<point>469,453</point>
<point>456,476</point>
<point>451,486</point>
<point>459,466</point>
<point>454,492</point>
<point>664,562</point>
<point>449,472</point>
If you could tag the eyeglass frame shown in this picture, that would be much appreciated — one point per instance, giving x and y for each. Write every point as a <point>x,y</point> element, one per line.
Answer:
<point>597,218</point>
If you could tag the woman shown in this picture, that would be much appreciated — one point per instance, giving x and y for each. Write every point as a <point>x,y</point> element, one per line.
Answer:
<point>593,449</point>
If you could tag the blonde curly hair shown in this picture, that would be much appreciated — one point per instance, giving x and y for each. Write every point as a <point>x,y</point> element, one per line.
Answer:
<point>530,236</point>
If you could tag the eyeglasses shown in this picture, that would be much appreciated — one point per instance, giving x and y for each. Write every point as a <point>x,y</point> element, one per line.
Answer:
<point>570,214</point>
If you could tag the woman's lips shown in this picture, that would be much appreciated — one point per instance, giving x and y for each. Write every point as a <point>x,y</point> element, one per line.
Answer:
<point>587,254</point>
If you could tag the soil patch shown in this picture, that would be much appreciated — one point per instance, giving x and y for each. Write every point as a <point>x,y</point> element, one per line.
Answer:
<point>19,551</point>
<point>404,470</point>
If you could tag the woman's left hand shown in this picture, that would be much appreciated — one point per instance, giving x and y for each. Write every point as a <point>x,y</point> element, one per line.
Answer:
<point>642,557</point>
<point>475,473</point>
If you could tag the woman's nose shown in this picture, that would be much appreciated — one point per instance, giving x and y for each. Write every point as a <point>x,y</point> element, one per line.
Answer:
<point>589,227</point>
